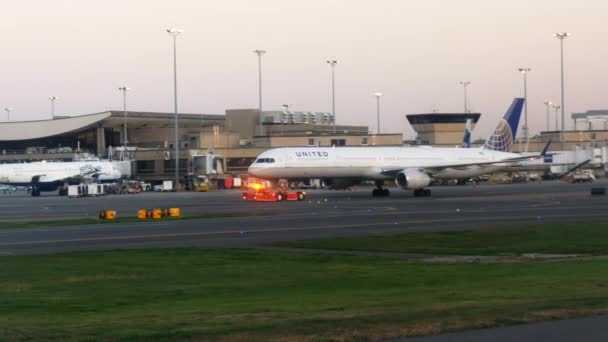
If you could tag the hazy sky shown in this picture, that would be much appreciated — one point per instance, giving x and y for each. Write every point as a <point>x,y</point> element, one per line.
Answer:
<point>415,52</point>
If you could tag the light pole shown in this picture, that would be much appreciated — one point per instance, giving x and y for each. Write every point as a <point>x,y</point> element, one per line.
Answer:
<point>53,98</point>
<point>332,63</point>
<point>561,37</point>
<point>125,140</point>
<point>525,72</point>
<point>174,32</point>
<point>378,95</point>
<point>260,120</point>
<point>556,107</point>
<point>548,104</point>
<point>8,113</point>
<point>464,85</point>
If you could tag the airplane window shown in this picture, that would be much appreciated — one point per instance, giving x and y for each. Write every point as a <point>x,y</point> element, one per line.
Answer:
<point>265,160</point>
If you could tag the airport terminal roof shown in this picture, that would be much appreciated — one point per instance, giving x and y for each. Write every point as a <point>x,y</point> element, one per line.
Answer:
<point>27,130</point>
<point>439,118</point>
<point>590,114</point>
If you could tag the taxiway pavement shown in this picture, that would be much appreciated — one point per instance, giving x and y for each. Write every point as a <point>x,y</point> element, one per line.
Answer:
<point>325,213</point>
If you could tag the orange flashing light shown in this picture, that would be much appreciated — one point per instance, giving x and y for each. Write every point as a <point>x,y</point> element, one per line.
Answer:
<point>256,186</point>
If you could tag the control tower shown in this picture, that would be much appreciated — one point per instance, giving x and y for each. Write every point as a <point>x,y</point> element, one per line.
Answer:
<point>441,128</point>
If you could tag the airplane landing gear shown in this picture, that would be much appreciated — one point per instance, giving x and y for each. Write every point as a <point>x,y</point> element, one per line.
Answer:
<point>380,191</point>
<point>422,192</point>
<point>35,186</point>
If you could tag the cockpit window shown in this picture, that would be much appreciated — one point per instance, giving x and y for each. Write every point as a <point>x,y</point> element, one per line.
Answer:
<point>265,160</point>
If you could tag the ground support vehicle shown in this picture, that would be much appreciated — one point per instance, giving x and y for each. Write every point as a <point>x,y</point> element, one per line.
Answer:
<point>585,177</point>
<point>256,190</point>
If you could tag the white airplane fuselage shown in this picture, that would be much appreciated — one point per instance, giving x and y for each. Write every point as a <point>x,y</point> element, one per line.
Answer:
<point>371,162</point>
<point>53,172</point>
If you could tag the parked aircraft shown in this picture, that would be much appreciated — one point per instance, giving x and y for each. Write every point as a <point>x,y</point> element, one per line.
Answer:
<point>50,176</point>
<point>7,188</point>
<point>410,167</point>
<point>466,139</point>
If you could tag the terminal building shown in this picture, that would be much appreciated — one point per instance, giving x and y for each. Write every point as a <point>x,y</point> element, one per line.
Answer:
<point>235,137</point>
<point>441,129</point>
<point>230,142</point>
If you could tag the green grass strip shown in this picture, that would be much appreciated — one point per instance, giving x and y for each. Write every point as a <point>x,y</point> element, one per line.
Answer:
<point>570,238</point>
<point>261,295</point>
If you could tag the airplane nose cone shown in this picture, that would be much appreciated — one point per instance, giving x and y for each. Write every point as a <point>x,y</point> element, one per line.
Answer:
<point>252,171</point>
<point>257,171</point>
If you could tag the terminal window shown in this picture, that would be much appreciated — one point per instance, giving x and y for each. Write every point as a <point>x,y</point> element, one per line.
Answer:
<point>364,141</point>
<point>145,166</point>
<point>338,142</point>
<point>311,142</point>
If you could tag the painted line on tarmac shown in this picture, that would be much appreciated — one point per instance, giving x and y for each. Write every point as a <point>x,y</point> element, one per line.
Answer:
<point>82,227</point>
<point>273,230</point>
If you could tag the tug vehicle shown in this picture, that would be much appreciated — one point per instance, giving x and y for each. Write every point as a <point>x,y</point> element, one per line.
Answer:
<point>266,191</point>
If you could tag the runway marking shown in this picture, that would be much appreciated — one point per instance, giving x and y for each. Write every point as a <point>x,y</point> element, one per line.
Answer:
<point>85,227</point>
<point>270,230</point>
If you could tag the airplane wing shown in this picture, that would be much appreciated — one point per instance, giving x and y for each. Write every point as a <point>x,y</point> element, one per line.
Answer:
<point>431,169</point>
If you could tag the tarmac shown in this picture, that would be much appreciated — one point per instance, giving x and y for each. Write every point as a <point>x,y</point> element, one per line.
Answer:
<point>589,329</point>
<point>324,213</point>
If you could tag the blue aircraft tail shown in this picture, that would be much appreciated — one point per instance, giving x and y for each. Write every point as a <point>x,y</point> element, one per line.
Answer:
<point>504,135</point>
<point>466,139</point>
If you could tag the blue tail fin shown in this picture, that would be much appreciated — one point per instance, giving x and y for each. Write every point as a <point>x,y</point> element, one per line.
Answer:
<point>466,139</point>
<point>504,135</point>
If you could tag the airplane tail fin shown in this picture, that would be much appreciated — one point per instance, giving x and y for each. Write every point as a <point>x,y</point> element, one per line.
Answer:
<point>466,139</point>
<point>504,135</point>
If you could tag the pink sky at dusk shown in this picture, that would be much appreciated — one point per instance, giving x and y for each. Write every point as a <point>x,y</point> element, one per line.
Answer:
<point>415,52</point>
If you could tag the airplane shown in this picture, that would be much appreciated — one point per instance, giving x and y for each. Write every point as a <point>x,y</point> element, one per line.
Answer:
<point>466,139</point>
<point>7,188</point>
<point>411,167</point>
<point>50,176</point>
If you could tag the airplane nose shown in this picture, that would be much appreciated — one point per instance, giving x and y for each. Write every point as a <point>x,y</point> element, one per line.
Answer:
<point>256,171</point>
<point>252,170</point>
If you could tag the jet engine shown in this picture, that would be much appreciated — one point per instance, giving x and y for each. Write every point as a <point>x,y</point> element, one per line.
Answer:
<point>340,183</point>
<point>412,179</point>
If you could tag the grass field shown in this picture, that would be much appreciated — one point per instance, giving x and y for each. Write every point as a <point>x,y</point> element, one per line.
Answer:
<point>87,221</point>
<point>222,294</point>
<point>571,238</point>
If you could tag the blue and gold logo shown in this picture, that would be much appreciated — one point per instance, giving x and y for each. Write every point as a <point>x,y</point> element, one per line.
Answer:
<point>501,139</point>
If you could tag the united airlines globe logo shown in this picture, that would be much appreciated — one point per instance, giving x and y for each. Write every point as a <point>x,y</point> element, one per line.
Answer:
<point>501,139</point>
